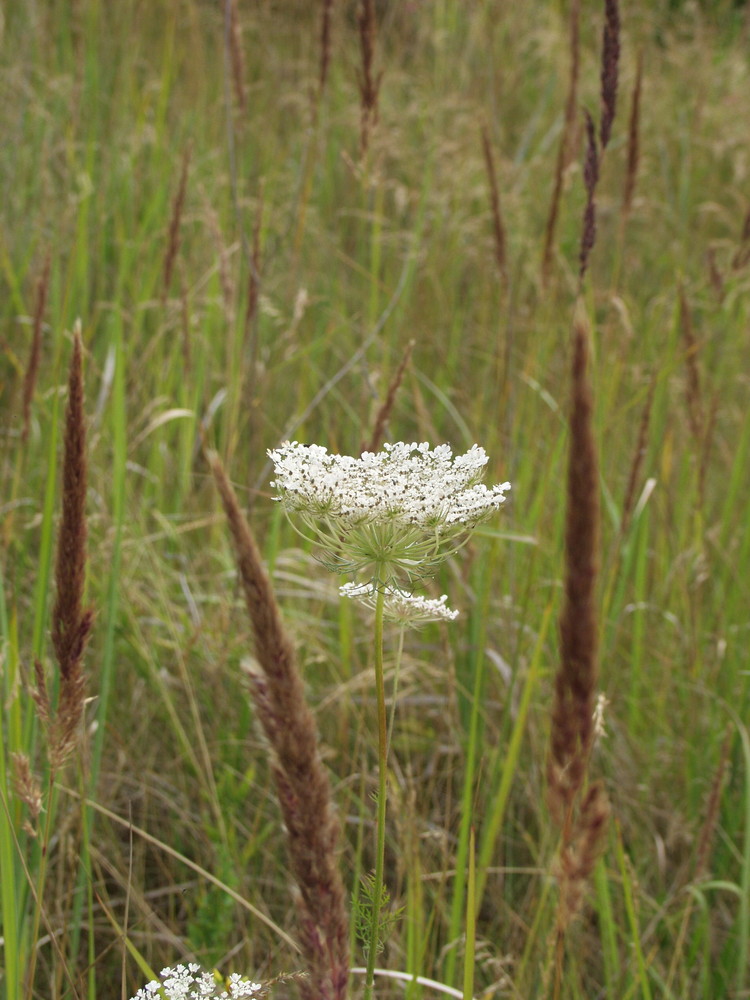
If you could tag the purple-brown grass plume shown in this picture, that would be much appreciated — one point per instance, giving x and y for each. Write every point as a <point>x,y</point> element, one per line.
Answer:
<point>581,814</point>
<point>388,403</point>
<point>610,64</point>
<point>35,352</point>
<point>173,239</point>
<point>302,783</point>
<point>575,684</point>
<point>71,622</point>
<point>634,140</point>
<point>565,149</point>
<point>497,217</point>
<point>369,80</point>
<point>590,179</point>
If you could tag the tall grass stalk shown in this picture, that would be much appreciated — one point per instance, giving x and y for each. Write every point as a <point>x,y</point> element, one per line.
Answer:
<point>9,895</point>
<point>477,675</point>
<point>505,767</point>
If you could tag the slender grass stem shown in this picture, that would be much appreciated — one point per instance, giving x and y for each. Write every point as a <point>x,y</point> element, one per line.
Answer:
<point>41,879</point>
<point>9,908</point>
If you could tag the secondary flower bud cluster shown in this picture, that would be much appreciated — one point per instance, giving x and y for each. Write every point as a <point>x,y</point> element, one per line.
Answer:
<point>401,606</point>
<point>390,517</point>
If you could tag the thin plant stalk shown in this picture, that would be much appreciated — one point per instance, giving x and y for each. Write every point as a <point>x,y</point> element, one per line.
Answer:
<point>40,880</point>
<point>382,792</point>
<point>471,921</point>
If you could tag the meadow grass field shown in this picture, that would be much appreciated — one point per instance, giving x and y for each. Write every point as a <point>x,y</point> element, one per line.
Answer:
<point>266,215</point>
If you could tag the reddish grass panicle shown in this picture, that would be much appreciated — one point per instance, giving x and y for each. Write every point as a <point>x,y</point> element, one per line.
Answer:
<point>498,227</point>
<point>609,71</point>
<point>173,238</point>
<point>326,19</point>
<point>634,140</point>
<point>369,80</point>
<point>590,179</point>
<point>386,408</point>
<point>567,140</point>
<point>302,783</point>
<point>234,38</point>
<point>35,351</point>
<point>576,679</point>
<point>71,622</point>
<point>576,718</point>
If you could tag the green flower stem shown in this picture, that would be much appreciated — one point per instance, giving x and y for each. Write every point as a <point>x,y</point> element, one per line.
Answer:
<point>382,779</point>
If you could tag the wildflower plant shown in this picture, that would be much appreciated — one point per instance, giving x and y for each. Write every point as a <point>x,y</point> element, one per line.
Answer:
<point>389,518</point>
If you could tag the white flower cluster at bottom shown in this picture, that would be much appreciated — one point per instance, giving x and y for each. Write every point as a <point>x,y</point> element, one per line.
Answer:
<point>190,982</point>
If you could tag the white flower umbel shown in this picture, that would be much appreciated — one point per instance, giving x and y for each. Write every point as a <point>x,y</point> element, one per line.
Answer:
<point>401,606</point>
<point>392,516</point>
<point>190,982</point>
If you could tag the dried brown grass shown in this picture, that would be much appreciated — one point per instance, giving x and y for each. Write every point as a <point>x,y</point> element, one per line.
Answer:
<point>35,351</point>
<point>369,79</point>
<point>575,683</point>
<point>567,140</point>
<point>694,393</point>
<point>634,141</point>
<point>498,227</point>
<point>186,339</point>
<point>590,180</point>
<point>302,783</point>
<point>386,407</point>
<point>326,45</point>
<point>705,842</point>
<point>609,70</point>
<point>581,813</point>
<point>742,254</point>
<point>71,622</point>
<point>173,237</point>
<point>236,57</point>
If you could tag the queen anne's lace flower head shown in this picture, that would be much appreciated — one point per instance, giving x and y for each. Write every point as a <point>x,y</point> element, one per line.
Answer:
<point>401,606</point>
<point>190,982</point>
<point>393,515</point>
